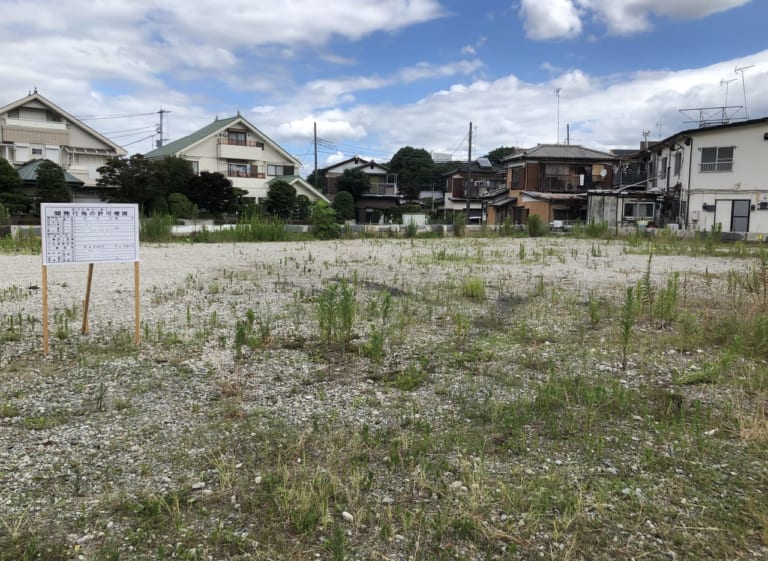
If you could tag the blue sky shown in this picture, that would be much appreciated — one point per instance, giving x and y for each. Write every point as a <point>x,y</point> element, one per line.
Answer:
<point>376,75</point>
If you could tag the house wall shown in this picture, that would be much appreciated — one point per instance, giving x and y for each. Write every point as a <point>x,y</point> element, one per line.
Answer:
<point>701,190</point>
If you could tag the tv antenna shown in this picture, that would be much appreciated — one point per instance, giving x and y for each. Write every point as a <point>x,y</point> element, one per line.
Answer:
<point>557,93</point>
<point>741,70</point>
<point>726,82</point>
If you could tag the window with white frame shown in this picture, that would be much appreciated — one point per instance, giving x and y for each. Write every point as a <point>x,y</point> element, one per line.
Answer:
<point>678,163</point>
<point>638,210</point>
<point>717,158</point>
<point>195,167</point>
<point>278,170</point>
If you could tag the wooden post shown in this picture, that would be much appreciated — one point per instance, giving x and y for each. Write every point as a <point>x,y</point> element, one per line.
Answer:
<point>137,303</point>
<point>86,328</point>
<point>45,309</point>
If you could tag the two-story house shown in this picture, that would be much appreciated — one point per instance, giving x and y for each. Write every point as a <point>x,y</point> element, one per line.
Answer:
<point>241,152</point>
<point>470,187</point>
<point>552,180</point>
<point>33,128</point>
<point>382,195</point>
<point>718,175</point>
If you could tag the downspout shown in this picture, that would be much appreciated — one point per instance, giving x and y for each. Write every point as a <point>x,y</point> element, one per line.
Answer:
<point>688,189</point>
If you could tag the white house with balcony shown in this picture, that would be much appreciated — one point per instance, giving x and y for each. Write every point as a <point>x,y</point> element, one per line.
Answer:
<point>33,128</point>
<point>241,152</point>
<point>383,194</point>
<point>718,173</point>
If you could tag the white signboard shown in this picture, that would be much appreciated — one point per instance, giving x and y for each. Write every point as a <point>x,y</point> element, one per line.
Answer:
<point>89,233</point>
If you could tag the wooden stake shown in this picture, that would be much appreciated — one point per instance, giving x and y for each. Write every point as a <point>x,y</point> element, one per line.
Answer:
<point>45,309</point>
<point>86,328</point>
<point>137,302</point>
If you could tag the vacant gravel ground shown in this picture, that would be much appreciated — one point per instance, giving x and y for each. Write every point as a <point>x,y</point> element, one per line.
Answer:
<point>240,430</point>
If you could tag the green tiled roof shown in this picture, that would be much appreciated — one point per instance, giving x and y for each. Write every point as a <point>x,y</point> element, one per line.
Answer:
<point>179,145</point>
<point>28,173</point>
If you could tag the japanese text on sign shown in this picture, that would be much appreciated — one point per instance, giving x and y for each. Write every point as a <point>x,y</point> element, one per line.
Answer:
<point>89,233</point>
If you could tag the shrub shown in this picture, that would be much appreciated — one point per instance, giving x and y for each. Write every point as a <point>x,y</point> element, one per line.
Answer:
<point>324,224</point>
<point>536,226</point>
<point>156,228</point>
<point>459,224</point>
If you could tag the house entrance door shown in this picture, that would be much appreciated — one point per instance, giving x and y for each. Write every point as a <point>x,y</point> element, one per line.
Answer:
<point>740,216</point>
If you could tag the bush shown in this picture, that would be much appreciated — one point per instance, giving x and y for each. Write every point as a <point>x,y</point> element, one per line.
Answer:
<point>156,228</point>
<point>324,224</point>
<point>536,226</point>
<point>180,206</point>
<point>459,224</point>
<point>344,206</point>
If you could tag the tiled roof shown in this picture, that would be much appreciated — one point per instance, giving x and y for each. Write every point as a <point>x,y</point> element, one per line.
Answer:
<point>173,148</point>
<point>560,152</point>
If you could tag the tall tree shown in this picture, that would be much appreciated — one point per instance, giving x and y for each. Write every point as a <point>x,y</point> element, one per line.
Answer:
<point>214,193</point>
<point>175,173</point>
<point>498,154</point>
<point>354,181</point>
<point>135,180</point>
<point>281,199</point>
<point>415,170</point>
<point>51,185</point>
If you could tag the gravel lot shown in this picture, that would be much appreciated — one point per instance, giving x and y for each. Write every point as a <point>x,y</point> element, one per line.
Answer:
<point>97,421</point>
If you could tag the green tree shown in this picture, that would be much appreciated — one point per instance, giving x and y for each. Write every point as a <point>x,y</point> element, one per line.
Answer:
<point>303,209</point>
<point>175,174</point>
<point>51,185</point>
<point>9,177</point>
<point>344,205</point>
<point>135,180</point>
<point>415,170</point>
<point>214,193</point>
<point>354,181</point>
<point>281,199</point>
<point>498,154</point>
<point>324,224</point>
<point>319,183</point>
<point>180,206</point>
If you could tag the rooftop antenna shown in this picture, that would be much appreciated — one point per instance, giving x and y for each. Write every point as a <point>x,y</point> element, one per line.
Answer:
<point>741,70</point>
<point>557,93</point>
<point>726,82</point>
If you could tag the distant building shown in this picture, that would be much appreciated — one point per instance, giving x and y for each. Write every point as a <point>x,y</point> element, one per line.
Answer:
<point>33,128</point>
<point>241,152</point>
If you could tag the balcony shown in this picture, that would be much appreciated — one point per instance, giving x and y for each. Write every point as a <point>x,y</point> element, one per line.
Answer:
<point>568,183</point>
<point>239,149</point>
<point>30,124</point>
<point>383,190</point>
<point>236,170</point>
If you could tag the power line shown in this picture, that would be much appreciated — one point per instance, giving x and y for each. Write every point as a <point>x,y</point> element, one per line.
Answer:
<point>139,140</point>
<point>124,116</point>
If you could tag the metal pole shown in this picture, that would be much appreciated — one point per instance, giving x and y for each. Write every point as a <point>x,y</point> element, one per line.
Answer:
<point>468,190</point>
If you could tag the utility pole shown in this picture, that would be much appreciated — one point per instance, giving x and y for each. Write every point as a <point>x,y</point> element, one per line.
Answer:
<point>743,87</point>
<point>468,190</point>
<point>160,128</point>
<point>314,175</point>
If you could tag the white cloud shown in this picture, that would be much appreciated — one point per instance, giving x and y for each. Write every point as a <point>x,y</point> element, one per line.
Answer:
<point>550,19</point>
<point>563,19</point>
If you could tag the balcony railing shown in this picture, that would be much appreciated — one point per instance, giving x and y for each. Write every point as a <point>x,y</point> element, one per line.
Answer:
<point>383,189</point>
<point>248,172</point>
<point>238,142</point>
<point>716,166</point>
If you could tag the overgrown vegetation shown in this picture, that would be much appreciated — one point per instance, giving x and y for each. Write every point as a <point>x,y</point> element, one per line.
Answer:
<point>426,399</point>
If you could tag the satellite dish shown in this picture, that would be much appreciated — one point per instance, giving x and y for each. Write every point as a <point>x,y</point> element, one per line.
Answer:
<point>603,172</point>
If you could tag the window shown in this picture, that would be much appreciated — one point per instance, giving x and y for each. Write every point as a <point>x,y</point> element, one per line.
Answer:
<point>37,151</point>
<point>195,167</point>
<point>717,159</point>
<point>663,168</point>
<point>638,211</point>
<point>678,163</point>
<point>238,170</point>
<point>236,137</point>
<point>273,169</point>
